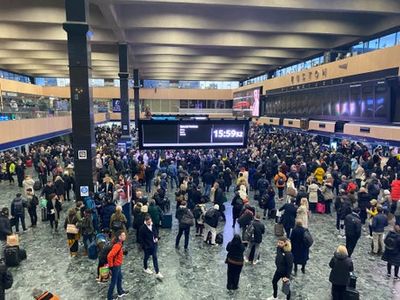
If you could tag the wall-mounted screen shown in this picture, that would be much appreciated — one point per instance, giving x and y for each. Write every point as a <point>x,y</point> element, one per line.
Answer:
<point>170,134</point>
<point>247,103</point>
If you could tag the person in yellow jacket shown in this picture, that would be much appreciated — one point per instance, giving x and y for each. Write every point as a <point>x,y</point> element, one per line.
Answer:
<point>372,212</point>
<point>319,174</point>
<point>280,182</point>
<point>10,171</point>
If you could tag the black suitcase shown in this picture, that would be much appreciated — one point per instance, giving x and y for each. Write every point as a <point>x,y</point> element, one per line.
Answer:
<point>351,294</point>
<point>166,221</point>
<point>43,212</point>
<point>22,254</point>
<point>219,239</point>
<point>353,281</point>
<point>11,256</point>
<point>272,213</point>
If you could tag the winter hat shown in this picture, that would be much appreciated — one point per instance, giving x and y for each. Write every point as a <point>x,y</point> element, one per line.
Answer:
<point>216,206</point>
<point>386,192</point>
<point>373,202</point>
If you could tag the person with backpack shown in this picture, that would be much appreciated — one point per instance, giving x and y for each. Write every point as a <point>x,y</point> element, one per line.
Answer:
<point>284,266</point>
<point>300,247</point>
<point>245,219</point>
<point>379,223</point>
<point>155,212</point>
<point>211,219</point>
<point>148,237</point>
<point>118,220</point>
<point>115,259</point>
<point>280,183</point>
<point>254,233</point>
<point>237,204</point>
<point>341,265</point>
<point>392,252</point>
<point>18,206</point>
<point>186,220</point>
<point>234,260</point>
<point>374,186</point>
<point>32,203</point>
<point>352,227</point>
<point>87,229</point>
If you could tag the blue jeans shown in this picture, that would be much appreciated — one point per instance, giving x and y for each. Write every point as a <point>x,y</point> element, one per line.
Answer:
<point>87,240</point>
<point>207,190</point>
<point>151,252</point>
<point>116,279</point>
<point>17,218</point>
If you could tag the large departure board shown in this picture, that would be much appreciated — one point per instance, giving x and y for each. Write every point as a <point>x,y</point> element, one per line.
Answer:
<point>170,134</point>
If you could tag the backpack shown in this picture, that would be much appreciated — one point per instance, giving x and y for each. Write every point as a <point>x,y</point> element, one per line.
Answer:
<point>187,219</point>
<point>390,243</point>
<point>197,212</point>
<point>18,206</point>
<point>280,181</point>
<point>351,187</point>
<point>308,239</point>
<point>117,225</point>
<point>249,233</point>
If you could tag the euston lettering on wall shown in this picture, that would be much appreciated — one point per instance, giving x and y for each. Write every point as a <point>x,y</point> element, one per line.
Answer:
<point>308,76</point>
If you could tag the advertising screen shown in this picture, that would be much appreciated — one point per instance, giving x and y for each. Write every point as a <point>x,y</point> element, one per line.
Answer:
<point>247,103</point>
<point>169,134</point>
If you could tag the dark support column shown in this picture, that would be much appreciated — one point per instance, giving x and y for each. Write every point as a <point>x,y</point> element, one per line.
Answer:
<point>124,92</point>
<point>83,139</point>
<point>136,87</point>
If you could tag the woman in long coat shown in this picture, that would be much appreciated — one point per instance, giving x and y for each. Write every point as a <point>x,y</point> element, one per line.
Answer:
<point>299,250</point>
<point>72,238</point>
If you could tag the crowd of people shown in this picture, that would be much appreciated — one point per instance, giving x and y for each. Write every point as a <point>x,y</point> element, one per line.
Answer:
<point>281,177</point>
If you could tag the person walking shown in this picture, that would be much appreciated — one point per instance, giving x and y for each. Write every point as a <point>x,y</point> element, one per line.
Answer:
<point>18,206</point>
<point>341,265</point>
<point>300,250</point>
<point>284,265</point>
<point>211,223</point>
<point>234,260</point>
<point>255,241</point>
<point>186,220</point>
<point>379,223</point>
<point>352,227</point>
<point>5,229</point>
<point>32,203</point>
<point>115,258</point>
<point>53,211</point>
<point>148,237</point>
<point>288,218</point>
<point>392,252</point>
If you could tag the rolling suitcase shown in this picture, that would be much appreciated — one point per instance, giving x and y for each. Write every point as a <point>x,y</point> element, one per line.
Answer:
<point>219,239</point>
<point>278,229</point>
<point>92,250</point>
<point>166,221</point>
<point>43,212</point>
<point>351,294</point>
<point>11,256</point>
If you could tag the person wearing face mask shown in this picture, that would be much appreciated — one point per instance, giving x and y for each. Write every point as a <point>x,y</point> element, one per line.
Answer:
<point>148,237</point>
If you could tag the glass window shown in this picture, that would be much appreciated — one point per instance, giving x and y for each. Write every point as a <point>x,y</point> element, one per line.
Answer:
<point>220,104</point>
<point>387,41</point>
<point>229,104</point>
<point>381,100</point>
<point>192,104</point>
<point>307,64</point>
<point>358,49</point>
<point>372,45</point>
<point>210,104</point>
<point>398,38</point>
<point>367,103</point>
<point>184,104</point>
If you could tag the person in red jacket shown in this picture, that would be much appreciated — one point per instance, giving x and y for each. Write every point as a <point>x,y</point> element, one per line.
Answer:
<point>395,195</point>
<point>115,258</point>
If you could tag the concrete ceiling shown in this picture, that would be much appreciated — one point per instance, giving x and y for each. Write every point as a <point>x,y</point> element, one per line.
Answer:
<point>188,39</point>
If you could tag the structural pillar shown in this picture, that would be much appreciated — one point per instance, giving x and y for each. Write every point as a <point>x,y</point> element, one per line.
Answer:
<point>136,87</point>
<point>83,139</point>
<point>124,92</point>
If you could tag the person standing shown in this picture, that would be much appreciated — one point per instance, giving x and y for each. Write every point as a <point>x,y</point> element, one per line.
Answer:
<point>280,183</point>
<point>115,258</point>
<point>303,212</point>
<point>234,260</point>
<point>87,229</point>
<point>237,204</point>
<point>352,227</point>
<point>28,183</point>
<point>70,224</point>
<point>20,171</point>
<point>300,250</point>
<point>33,202</point>
<point>5,229</point>
<point>18,206</point>
<point>289,216</point>
<point>392,252</point>
<point>211,218</point>
<point>148,237</point>
<point>379,223</point>
<point>53,211</point>
<point>258,231</point>
<point>341,265</point>
<point>186,220</point>
<point>284,265</point>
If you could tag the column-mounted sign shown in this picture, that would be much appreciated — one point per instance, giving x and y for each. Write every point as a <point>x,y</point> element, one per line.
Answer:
<point>84,191</point>
<point>82,154</point>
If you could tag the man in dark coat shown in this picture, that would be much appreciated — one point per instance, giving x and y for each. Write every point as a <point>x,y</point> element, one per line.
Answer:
<point>186,220</point>
<point>289,216</point>
<point>392,252</point>
<point>341,265</point>
<point>256,239</point>
<point>5,229</point>
<point>211,223</point>
<point>352,226</point>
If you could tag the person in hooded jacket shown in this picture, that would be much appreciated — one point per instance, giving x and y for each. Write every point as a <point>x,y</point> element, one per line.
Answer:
<point>363,203</point>
<point>106,213</point>
<point>341,265</point>
<point>392,252</point>
<point>18,206</point>
<point>395,189</point>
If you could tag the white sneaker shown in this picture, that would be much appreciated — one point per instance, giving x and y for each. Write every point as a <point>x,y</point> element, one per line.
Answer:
<point>159,276</point>
<point>246,260</point>
<point>148,271</point>
<point>255,262</point>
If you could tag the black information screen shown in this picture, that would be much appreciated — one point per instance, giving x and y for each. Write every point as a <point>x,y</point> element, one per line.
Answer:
<point>167,134</point>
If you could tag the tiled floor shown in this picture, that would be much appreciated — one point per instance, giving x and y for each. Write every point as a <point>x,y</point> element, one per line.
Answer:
<point>198,274</point>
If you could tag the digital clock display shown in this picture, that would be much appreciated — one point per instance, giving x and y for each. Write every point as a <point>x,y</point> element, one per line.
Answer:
<point>168,134</point>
